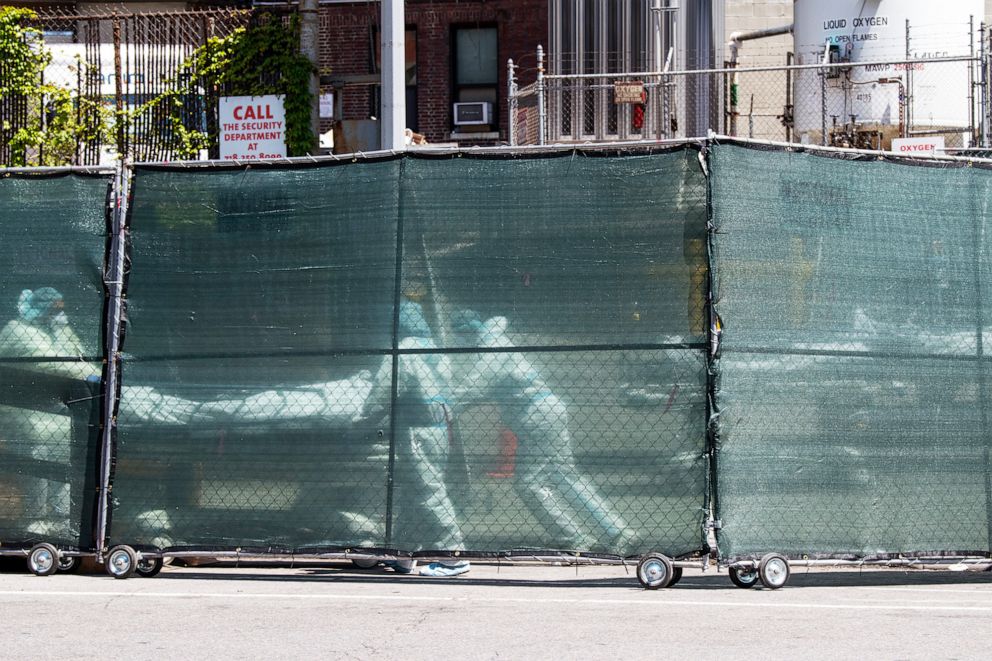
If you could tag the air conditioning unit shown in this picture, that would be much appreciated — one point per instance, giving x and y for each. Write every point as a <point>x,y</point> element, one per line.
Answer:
<point>473,114</point>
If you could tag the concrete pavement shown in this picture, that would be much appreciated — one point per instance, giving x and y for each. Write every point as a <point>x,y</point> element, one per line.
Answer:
<point>334,611</point>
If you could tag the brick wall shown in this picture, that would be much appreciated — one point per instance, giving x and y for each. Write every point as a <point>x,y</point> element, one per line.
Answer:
<point>346,33</point>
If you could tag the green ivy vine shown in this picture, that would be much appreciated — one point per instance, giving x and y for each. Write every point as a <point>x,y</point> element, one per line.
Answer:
<point>56,124</point>
<point>262,59</point>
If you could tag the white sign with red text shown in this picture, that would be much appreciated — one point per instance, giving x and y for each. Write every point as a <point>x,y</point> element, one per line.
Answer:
<point>933,146</point>
<point>252,128</point>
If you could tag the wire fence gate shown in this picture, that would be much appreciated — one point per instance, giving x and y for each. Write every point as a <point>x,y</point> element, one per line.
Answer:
<point>698,348</point>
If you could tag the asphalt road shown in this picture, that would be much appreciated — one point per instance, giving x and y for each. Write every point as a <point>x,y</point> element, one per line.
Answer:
<point>333,611</point>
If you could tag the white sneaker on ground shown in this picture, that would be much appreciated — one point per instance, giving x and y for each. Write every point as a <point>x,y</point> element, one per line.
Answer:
<point>443,569</point>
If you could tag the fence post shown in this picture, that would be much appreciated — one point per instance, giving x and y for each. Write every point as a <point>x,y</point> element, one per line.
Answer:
<point>310,47</point>
<point>983,92</point>
<point>210,96</point>
<point>667,82</point>
<point>540,95</point>
<point>823,99</point>
<point>909,87</point>
<point>114,283</point>
<point>733,89</point>
<point>972,127</point>
<point>119,91</point>
<point>511,103</point>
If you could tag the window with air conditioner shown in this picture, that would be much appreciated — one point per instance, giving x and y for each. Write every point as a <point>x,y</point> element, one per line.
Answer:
<point>476,76</point>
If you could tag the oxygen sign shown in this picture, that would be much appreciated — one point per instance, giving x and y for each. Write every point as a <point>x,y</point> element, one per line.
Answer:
<point>252,128</point>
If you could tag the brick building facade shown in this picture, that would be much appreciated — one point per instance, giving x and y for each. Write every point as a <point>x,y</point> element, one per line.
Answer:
<point>349,45</point>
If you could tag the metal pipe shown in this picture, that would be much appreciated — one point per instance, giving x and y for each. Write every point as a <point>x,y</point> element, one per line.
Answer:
<point>118,92</point>
<point>540,95</point>
<point>909,87</point>
<point>971,78</point>
<point>893,562</point>
<point>666,85</point>
<point>983,89</point>
<point>902,99</point>
<point>57,169</point>
<point>355,156</point>
<point>736,38</point>
<point>393,127</point>
<point>511,102</point>
<point>789,121</point>
<point>823,95</point>
<point>539,558</point>
<point>734,45</point>
<point>310,48</point>
<point>820,66</point>
<point>114,283</point>
<point>791,146</point>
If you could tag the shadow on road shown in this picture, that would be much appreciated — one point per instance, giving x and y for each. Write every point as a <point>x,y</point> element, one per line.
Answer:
<point>494,575</point>
<point>510,576</point>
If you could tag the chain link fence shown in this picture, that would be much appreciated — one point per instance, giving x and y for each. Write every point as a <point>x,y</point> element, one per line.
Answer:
<point>438,380</point>
<point>841,104</point>
<point>133,90</point>
<point>852,389</point>
<point>602,351</point>
<point>52,242</point>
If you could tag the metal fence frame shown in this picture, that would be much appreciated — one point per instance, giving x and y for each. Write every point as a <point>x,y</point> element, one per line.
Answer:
<point>578,108</point>
<point>114,283</point>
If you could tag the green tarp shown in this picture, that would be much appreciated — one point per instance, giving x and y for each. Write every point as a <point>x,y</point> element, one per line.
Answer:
<point>52,241</point>
<point>853,389</point>
<point>488,353</point>
<point>298,374</point>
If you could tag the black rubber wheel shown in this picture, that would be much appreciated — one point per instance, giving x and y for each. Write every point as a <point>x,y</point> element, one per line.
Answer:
<point>148,567</point>
<point>365,563</point>
<point>654,571</point>
<point>676,576</point>
<point>43,560</point>
<point>69,564</point>
<point>744,578</point>
<point>121,561</point>
<point>773,571</point>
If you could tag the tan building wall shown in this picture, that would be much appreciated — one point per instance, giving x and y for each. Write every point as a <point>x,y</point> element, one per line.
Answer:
<point>747,15</point>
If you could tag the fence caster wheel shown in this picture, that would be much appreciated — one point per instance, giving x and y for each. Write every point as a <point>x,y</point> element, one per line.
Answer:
<point>69,564</point>
<point>43,559</point>
<point>773,571</point>
<point>121,561</point>
<point>364,563</point>
<point>654,571</point>
<point>744,578</point>
<point>676,576</point>
<point>148,567</point>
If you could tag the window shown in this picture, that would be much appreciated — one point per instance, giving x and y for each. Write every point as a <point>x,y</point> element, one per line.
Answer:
<point>476,63</point>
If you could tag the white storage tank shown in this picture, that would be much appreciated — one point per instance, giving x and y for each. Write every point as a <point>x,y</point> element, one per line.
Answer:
<point>876,31</point>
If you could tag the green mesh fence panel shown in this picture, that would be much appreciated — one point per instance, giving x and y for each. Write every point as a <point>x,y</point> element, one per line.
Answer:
<point>853,389</point>
<point>570,291</point>
<point>259,306</point>
<point>52,242</point>
<point>292,380</point>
